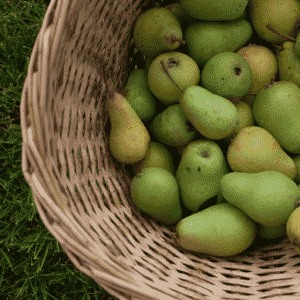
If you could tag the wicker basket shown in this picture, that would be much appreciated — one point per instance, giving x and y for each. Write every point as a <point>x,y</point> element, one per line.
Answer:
<point>82,55</point>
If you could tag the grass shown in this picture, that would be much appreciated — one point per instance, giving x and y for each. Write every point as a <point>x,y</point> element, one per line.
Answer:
<point>33,264</point>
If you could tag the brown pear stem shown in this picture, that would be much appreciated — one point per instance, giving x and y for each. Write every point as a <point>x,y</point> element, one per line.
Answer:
<point>176,39</point>
<point>167,72</point>
<point>286,37</point>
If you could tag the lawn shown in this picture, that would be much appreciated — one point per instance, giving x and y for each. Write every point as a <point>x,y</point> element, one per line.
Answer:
<point>33,264</point>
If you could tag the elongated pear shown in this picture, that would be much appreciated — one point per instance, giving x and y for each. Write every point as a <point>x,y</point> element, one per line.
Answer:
<point>128,138</point>
<point>220,230</point>
<point>267,197</point>
<point>255,150</point>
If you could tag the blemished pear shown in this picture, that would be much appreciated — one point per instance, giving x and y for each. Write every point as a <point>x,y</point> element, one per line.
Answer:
<point>128,138</point>
<point>255,150</point>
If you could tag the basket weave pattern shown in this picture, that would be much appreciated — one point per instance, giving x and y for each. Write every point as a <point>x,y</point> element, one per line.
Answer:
<point>82,55</point>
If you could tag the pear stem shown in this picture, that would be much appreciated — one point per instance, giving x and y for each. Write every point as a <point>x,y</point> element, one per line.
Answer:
<point>286,37</point>
<point>174,39</point>
<point>167,72</point>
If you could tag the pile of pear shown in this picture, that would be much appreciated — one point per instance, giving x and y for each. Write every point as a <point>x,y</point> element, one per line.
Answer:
<point>210,127</point>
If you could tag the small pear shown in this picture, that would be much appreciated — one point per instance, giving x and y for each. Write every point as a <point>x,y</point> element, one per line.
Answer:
<point>156,31</point>
<point>293,228</point>
<point>200,170</point>
<point>255,150</point>
<point>221,230</point>
<point>155,192</point>
<point>157,156</point>
<point>263,65</point>
<point>267,197</point>
<point>128,138</point>
<point>172,127</point>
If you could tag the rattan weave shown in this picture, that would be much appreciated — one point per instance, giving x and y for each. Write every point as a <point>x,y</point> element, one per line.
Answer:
<point>82,55</point>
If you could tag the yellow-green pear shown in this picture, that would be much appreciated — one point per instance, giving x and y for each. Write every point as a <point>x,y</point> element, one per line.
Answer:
<point>245,118</point>
<point>255,150</point>
<point>263,65</point>
<point>157,156</point>
<point>221,230</point>
<point>128,138</point>
<point>293,228</point>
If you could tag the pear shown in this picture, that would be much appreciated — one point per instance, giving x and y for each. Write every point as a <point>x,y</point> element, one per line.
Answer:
<point>288,63</point>
<point>205,39</point>
<point>271,232</point>
<point>255,150</point>
<point>158,155</point>
<point>170,73</point>
<point>245,119</point>
<point>181,15</point>
<point>267,197</point>
<point>283,16</point>
<point>263,65</point>
<point>212,10</point>
<point>155,192</point>
<point>172,127</point>
<point>200,170</point>
<point>219,230</point>
<point>227,74</point>
<point>293,229</point>
<point>139,96</point>
<point>156,31</point>
<point>277,109</point>
<point>249,99</point>
<point>215,117</point>
<point>128,138</point>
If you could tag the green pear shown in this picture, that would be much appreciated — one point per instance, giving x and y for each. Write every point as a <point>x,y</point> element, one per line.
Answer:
<point>220,230</point>
<point>255,150</point>
<point>155,192</point>
<point>158,156</point>
<point>205,39</point>
<point>263,65</point>
<point>283,16</point>
<point>212,10</point>
<point>271,232</point>
<point>156,31</point>
<point>267,197</point>
<point>170,73</point>
<point>139,96</point>
<point>245,119</point>
<point>215,117</point>
<point>288,63</point>
<point>200,170</point>
<point>172,127</point>
<point>293,229</point>
<point>128,138</point>
<point>277,109</point>
<point>296,160</point>
<point>227,74</point>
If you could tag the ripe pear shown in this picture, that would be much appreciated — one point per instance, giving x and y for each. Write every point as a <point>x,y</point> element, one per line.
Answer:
<point>293,229</point>
<point>155,192</point>
<point>227,74</point>
<point>288,63</point>
<point>263,65</point>
<point>205,39</point>
<point>157,156</point>
<point>277,109</point>
<point>215,117</point>
<point>128,138</point>
<point>221,230</point>
<point>200,170</point>
<point>172,127</point>
<point>212,10</point>
<point>255,150</point>
<point>283,16</point>
<point>170,73</point>
<point>139,96</point>
<point>267,197</point>
<point>245,119</point>
<point>156,31</point>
